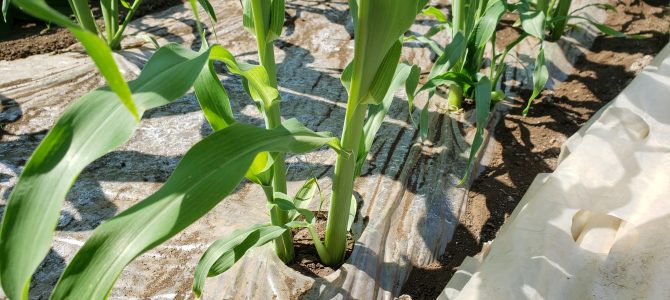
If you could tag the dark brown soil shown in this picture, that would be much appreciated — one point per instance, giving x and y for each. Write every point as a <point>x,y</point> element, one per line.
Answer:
<point>33,37</point>
<point>527,146</point>
<point>307,260</point>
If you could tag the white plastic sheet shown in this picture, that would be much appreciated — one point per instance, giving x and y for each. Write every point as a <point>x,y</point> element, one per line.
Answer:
<point>596,228</point>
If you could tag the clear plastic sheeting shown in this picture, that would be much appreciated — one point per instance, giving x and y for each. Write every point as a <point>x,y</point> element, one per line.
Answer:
<point>408,204</point>
<point>596,228</point>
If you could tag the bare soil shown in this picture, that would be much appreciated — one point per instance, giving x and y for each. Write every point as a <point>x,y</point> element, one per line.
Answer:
<point>35,37</point>
<point>527,146</point>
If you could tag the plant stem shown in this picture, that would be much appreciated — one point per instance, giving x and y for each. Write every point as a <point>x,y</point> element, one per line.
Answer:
<point>115,17</point>
<point>272,114</point>
<point>345,167</point>
<point>284,243</point>
<point>542,5</point>
<point>115,43</point>
<point>343,184</point>
<point>84,15</point>
<point>561,11</point>
<point>458,18</point>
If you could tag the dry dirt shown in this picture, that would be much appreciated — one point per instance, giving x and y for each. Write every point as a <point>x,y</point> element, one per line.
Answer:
<point>31,37</point>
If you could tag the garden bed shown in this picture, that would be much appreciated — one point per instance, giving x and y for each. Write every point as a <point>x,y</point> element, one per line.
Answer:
<point>525,147</point>
<point>410,206</point>
<point>30,37</point>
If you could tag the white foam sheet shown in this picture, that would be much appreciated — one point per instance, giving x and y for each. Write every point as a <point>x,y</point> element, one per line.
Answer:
<point>597,227</point>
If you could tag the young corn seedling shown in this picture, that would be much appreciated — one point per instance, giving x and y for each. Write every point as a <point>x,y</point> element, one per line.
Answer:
<point>379,26</point>
<point>111,33</point>
<point>460,64</point>
<point>265,20</point>
<point>371,80</point>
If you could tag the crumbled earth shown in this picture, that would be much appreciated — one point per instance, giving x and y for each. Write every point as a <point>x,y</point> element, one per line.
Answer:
<point>307,260</point>
<point>31,37</point>
<point>524,147</point>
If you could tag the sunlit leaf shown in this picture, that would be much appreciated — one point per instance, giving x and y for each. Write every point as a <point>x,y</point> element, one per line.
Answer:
<point>95,47</point>
<point>540,77</point>
<point>452,53</point>
<point>207,6</point>
<point>182,200</point>
<point>378,26</point>
<point>482,108</point>
<point>436,13</point>
<point>225,252</point>
<point>533,22</point>
<point>92,126</point>
<point>404,74</point>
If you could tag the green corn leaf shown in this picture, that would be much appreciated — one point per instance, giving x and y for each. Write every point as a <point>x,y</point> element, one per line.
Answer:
<point>378,26</point>
<point>452,53</point>
<point>411,83</point>
<point>380,84</point>
<point>448,78</point>
<point>108,17</point>
<point>434,46</point>
<point>481,35</point>
<point>207,6</point>
<point>225,252</point>
<point>125,4</point>
<point>220,165</point>
<point>352,212</point>
<point>213,98</point>
<point>533,22</point>
<point>424,119</point>
<point>95,47</point>
<point>286,203</point>
<point>276,20</point>
<point>255,78</point>
<point>92,126</point>
<point>247,16</point>
<point>482,110</point>
<point>487,24</point>
<point>607,30</point>
<point>260,171</point>
<point>540,77</point>
<point>436,13</point>
<point>404,74</point>
<point>421,4</point>
<point>303,196</point>
<point>345,78</point>
<point>272,18</point>
<point>5,7</point>
<point>435,29</point>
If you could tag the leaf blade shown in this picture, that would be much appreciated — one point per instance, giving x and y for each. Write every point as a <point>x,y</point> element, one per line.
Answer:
<point>91,127</point>
<point>182,200</point>
<point>483,108</point>
<point>95,47</point>
<point>225,252</point>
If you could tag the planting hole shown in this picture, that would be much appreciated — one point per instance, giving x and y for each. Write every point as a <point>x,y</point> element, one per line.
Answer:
<point>593,231</point>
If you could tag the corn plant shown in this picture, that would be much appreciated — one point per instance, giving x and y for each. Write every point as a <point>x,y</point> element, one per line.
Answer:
<point>97,123</point>
<point>112,32</point>
<point>371,80</point>
<point>460,65</point>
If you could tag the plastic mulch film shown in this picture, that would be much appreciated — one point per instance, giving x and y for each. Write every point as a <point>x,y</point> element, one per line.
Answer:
<point>596,228</point>
<point>408,205</point>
